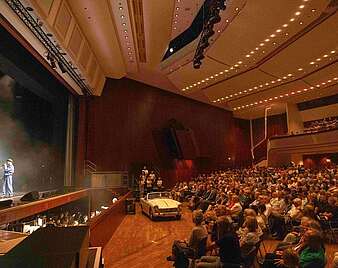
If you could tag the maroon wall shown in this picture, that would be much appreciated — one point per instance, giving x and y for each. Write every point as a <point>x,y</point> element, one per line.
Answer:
<point>277,125</point>
<point>122,121</point>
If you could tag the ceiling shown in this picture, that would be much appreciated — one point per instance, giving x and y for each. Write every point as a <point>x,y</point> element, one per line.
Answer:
<point>264,53</point>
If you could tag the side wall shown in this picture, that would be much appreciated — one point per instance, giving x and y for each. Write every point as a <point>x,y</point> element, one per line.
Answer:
<point>121,125</point>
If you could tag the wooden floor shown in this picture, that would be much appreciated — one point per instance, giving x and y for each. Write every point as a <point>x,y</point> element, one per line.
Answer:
<point>141,243</point>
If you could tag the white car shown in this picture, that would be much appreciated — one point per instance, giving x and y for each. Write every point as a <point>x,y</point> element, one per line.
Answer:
<point>160,204</point>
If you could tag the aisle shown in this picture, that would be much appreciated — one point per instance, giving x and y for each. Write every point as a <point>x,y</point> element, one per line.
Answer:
<point>140,242</point>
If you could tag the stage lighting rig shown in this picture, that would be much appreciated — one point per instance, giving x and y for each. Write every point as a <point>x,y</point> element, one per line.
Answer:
<point>212,17</point>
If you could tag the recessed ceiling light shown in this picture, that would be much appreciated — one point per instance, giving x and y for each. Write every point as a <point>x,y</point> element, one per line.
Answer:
<point>218,31</point>
<point>292,19</point>
<point>126,37</point>
<point>333,51</point>
<point>175,21</point>
<point>261,44</point>
<point>177,8</point>
<point>285,25</point>
<point>176,15</point>
<point>319,59</point>
<point>124,24</point>
<point>272,35</point>
<point>297,13</point>
<point>325,56</point>
<point>248,56</point>
<point>125,31</point>
<point>301,6</point>
<point>122,16</point>
<point>171,50</point>
<point>237,8</point>
<point>252,52</point>
<point>279,79</point>
<point>129,48</point>
<point>257,48</point>
<point>175,28</point>
<point>300,22</point>
<point>312,63</point>
<point>313,10</point>
<point>267,40</point>
<point>286,34</point>
<point>300,69</point>
<point>120,8</point>
<point>278,30</point>
<point>289,74</point>
<point>240,62</point>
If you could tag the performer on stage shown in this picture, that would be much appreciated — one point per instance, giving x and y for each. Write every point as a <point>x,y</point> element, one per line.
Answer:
<point>7,187</point>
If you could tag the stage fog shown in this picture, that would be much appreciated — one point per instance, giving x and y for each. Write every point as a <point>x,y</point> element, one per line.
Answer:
<point>26,136</point>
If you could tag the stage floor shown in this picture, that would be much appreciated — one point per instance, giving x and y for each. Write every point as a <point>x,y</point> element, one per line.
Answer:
<point>141,243</point>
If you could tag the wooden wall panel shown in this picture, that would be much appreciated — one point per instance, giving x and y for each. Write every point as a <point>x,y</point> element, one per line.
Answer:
<point>85,55</point>
<point>62,20</point>
<point>104,225</point>
<point>122,121</point>
<point>75,42</point>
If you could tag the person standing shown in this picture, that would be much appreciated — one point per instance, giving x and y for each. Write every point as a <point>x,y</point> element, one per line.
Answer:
<point>7,187</point>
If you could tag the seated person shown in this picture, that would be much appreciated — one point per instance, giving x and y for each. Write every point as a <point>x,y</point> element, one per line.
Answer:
<point>228,244</point>
<point>295,213</point>
<point>311,250</point>
<point>234,207</point>
<point>191,247</point>
<point>249,233</point>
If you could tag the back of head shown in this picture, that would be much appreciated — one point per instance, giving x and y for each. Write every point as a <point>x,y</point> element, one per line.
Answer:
<point>223,226</point>
<point>197,217</point>
<point>251,223</point>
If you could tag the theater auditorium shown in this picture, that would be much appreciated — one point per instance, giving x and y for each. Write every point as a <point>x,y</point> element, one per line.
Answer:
<point>168,133</point>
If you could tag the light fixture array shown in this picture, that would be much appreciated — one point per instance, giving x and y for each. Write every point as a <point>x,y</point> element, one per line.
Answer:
<point>265,85</point>
<point>234,68</point>
<point>328,82</point>
<point>125,34</point>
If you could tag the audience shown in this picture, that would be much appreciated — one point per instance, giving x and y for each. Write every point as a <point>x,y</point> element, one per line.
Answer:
<point>291,204</point>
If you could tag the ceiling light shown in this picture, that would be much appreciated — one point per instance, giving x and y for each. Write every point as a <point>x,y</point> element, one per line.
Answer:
<point>220,73</point>
<point>319,59</point>
<point>297,13</point>
<point>257,48</point>
<point>267,40</point>
<point>313,10</point>
<point>124,24</point>
<point>279,79</point>
<point>298,91</point>
<point>278,30</point>
<point>284,77</point>
<point>329,81</point>
<point>231,68</point>
<point>325,56</point>
<point>292,19</point>
<point>272,35</point>
<point>289,74</point>
<point>125,31</point>
<point>305,89</point>
<point>120,8</point>
<point>195,85</point>
<point>312,63</point>
<point>226,71</point>
<point>273,81</point>
<point>250,89</point>
<point>260,85</point>
<point>286,34</point>
<point>248,56</point>
<point>292,93</point>
<point>275,98</point>
<point>300,69</point>
<point>126,37</point>
<point>255,87</point>
<point>333,51</point>
<point>252,52</point>
<point>183,89</point>
<point>176,15</point>
<point>237,8</point>
<point>240,62</point>
<point>300,22</point>
<point>175,28</point>
<point>301,6</point>
<point>198,83</point>
<point>175,21</point>
<point>285,25</point>
<point>211,77</point>
<point>236,65</point>
<point>122,16</point>
<point>266,84</point>
<point>177,8</point>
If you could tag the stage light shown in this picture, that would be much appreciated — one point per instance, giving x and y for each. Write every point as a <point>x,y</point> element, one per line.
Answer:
<point>62,67</point>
